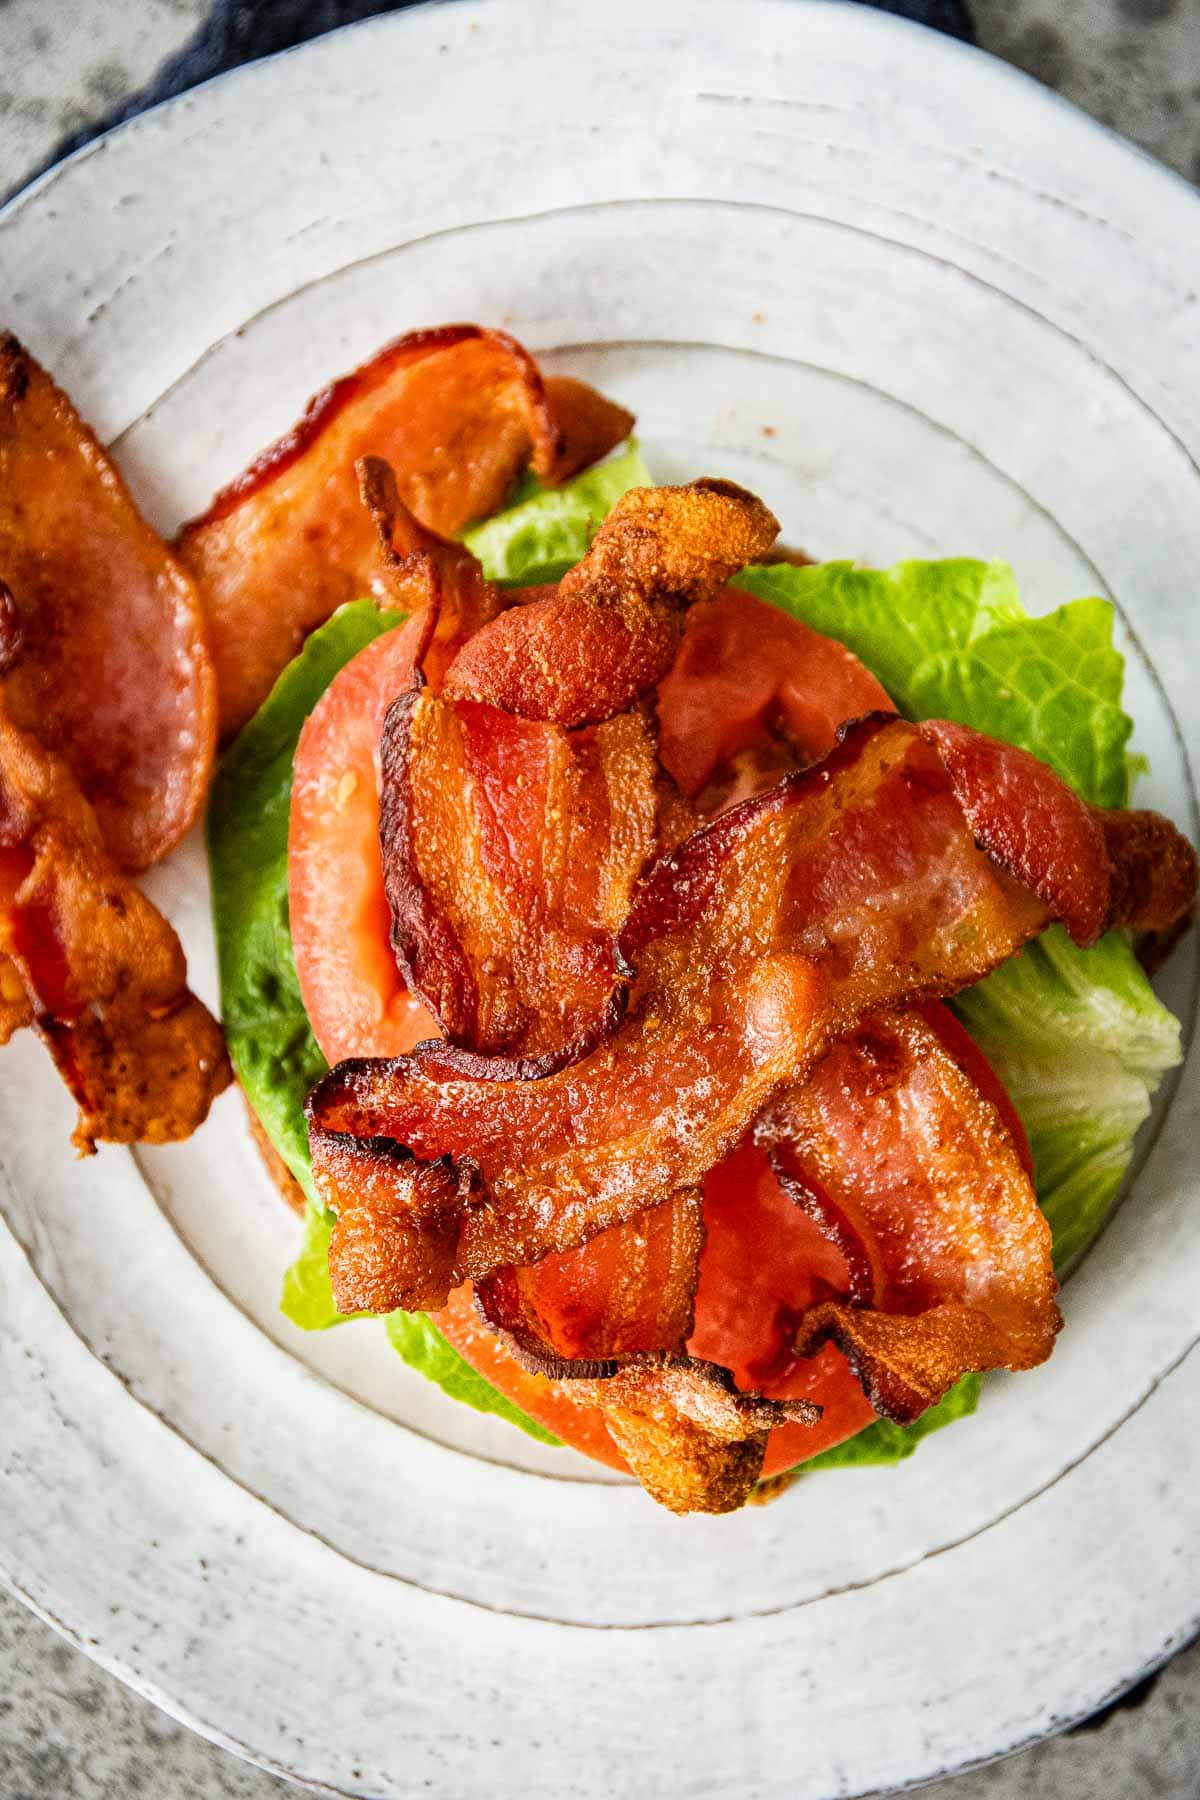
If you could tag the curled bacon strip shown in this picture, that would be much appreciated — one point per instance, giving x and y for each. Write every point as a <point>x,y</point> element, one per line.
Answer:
<point>457,411</point>
<point>629,1291</point>
<point>563,1158</point>
<point>1154,871</point>
<point>891,1148</point>
<point>102,971</point>
<point>851,886</point>
<point>609,631</point>
<point>693,1440</point>
<point>112,671</point>
<point>440,582</point>
<point>510,851</point>
<point>610,1322</point>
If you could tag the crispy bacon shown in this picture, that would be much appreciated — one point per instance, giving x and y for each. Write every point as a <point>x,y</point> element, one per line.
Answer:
<point>102,971</point>
<point>457,411</point>
<point>629,1291</point>
<point>563,1158</point>
<point>1153,872</point>
<point>438,581</point>
<point>1030,823</point>
<point>693,1440</point>
<point>609,631</point>
<point>510,850</point>
<point>112,671</point>
<point>891,1148</point>
<point>848,887</point>
<point>397,1224</point>
<point>588,423</point>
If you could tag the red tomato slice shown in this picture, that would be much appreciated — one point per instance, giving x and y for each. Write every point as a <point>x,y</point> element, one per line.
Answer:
<point>356,1001</point>
<point>743,668</point>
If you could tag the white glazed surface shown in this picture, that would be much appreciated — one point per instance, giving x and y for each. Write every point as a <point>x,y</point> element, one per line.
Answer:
<point>968,321</point>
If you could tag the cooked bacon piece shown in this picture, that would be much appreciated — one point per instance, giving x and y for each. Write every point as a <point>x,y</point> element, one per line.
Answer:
<point>694,1442</point>
<point>848,887</point>
<point>102,970</point>
<point>563,1158</point>
<point>609,1322</point>
<point>891,1148</point>
<point>397,1223</point>
<point>1030,822</point>
<point>747,678</point>
<point>609,631</point>
<point>15,1009</point>
<point>629,1291</point>
<point>112,670</point>
<point>1153,871</point>
<point>864,864</point>
<point>440,582</point>
<point>589,425</point>
<point>457,411</point>
<point>511,849</point>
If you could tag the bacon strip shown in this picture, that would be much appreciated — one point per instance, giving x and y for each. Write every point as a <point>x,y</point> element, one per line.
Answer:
<point>510,852</point>
<point>848,887</point>
<point>103,972</point>
<point>1154,871</point>
<point>457,411</point>
<point>588,424</point>
<point>628,1292</point>
<point>891,1148</point>
<point>563,1158</point>
<point>693,1440</point>
<point>112,671</point>
<point>609,631</point>
<point>442,583</point>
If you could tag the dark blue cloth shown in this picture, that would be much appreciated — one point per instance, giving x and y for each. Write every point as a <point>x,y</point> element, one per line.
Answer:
<point>240,31</point>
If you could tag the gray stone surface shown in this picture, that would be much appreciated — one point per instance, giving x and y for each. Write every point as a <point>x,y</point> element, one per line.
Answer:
<point>67,1730</point>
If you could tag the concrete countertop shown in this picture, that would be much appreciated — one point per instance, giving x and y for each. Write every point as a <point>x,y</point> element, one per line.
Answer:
<point>69,1731</point>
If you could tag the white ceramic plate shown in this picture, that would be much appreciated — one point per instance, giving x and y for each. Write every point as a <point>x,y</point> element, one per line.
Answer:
<point>923,307</point>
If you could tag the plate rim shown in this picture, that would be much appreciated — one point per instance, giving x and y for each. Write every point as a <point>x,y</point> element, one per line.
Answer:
<point>32,193</point>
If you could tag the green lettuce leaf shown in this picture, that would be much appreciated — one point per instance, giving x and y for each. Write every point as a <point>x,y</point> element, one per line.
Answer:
<point>548,530</point>
<point>1081,1042</point>
<point>1077,1036</point>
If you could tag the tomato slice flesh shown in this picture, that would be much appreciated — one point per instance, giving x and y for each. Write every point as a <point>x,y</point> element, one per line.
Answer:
<point>764,1260</point>
<point>353,992</point>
